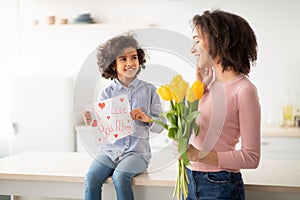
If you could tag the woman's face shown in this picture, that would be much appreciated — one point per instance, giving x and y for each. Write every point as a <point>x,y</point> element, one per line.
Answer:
<point>127,64</point>
<point>200,49</point>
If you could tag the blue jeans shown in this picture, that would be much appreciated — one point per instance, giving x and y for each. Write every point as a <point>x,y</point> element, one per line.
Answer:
<point>122,173</point>
<point>215,185</point>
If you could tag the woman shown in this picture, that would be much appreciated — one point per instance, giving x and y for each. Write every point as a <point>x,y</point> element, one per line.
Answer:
<point>225,46</point>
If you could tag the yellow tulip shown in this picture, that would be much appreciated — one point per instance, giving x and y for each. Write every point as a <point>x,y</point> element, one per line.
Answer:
<point>198,89</point>
<point>178,90</point>
<point>165,93</point>
<point>178,87</point>
<point>175,96</point>
<point>175,80</point>
<point>190,95</point>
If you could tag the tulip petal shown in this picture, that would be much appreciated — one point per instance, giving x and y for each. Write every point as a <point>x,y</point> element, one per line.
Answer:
<point>198,89</point>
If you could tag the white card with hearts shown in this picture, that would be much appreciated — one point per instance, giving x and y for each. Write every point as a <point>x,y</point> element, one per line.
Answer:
<point>113,120</point>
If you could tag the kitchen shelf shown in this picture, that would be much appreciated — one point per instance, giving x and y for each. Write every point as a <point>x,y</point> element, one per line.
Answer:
<point>106,26</point>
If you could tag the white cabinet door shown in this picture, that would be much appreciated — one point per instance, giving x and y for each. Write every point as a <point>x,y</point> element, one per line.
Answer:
<point>43,118</point>
<point>280,147</point>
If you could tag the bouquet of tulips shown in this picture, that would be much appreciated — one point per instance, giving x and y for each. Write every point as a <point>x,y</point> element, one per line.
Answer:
<point>181,122</point>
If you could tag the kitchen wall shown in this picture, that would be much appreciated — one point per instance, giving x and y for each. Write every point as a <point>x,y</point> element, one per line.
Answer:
<point>8,61</point>
<point>275,22</point>
<point>62,51</point>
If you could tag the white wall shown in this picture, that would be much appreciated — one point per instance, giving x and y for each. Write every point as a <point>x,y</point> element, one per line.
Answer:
<point>275,22</point>
<point>8,61</point>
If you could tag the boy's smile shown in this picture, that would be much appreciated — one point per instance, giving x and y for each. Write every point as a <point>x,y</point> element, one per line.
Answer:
<point>127,65</point>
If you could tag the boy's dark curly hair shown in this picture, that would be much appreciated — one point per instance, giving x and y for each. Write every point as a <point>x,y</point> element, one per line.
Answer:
<point>109,51</point>
<point>230,37</point>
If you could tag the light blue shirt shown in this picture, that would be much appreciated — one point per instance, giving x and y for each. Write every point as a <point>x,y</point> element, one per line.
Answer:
<point>140,95</point>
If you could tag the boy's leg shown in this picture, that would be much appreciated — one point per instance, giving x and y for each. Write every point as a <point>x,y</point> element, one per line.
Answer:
<point>127,168</point>
<point>101,168</point>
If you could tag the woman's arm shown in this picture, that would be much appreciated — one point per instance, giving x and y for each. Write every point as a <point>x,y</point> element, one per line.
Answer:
<point>249,123</point>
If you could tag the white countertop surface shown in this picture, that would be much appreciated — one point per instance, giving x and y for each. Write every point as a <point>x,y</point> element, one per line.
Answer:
<point>279,131</point>
<point>271,175</point>
<point>266,130</point>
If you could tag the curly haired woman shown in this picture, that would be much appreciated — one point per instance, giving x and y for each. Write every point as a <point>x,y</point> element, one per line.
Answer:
<point>225,47</point>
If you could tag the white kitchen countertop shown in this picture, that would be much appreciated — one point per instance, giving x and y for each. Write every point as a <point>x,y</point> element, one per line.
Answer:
<point>271,175</point>
<point>266,130</point>
<point>279,131</point>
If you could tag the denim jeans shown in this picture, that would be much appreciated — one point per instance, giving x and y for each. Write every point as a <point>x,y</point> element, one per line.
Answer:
<point>122,173</point>
<point>215,185</point>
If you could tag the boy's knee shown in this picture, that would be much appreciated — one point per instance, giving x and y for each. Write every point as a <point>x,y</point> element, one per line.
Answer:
<point>90,178</point>
<point>120,177</point>
<point>93,179</point>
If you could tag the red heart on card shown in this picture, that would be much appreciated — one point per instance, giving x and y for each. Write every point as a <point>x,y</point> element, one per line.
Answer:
<point>116,135</point>
<point>101,105</point>
<point>94,124</point>
<point>121,99</point>
<point>108,117</point>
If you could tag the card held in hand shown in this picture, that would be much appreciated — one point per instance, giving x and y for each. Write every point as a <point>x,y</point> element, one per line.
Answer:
<point>111,119</point>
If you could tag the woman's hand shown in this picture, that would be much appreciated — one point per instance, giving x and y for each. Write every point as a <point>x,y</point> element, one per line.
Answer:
<point>138,114</point>
<point>202,156</point>
<point>205,75</point>
<point>193,153</point>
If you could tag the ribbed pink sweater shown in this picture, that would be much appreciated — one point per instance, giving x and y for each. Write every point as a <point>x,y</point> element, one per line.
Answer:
<point>229,112</point>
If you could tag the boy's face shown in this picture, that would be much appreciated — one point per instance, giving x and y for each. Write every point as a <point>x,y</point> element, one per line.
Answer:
<point>200,49</point>
<point>127,64</point>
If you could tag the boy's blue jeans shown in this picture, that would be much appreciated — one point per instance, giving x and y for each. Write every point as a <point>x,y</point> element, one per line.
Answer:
<point>215,185</point>
<point>122,173</point>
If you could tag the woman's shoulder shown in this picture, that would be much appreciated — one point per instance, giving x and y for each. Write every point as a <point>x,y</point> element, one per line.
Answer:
<point>246,83</point>
<point>240,86</point>
<point>246,88</point>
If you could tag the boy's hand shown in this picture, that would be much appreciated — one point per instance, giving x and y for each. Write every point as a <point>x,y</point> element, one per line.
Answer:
<point>138,114</point>
<point>87,117</point>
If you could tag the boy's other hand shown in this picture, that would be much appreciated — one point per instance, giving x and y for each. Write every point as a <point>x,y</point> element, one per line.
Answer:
<point>87,117</point>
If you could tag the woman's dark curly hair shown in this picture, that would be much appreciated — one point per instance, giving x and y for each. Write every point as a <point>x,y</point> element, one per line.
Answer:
<point>109,51</point>
<point>230,37</point>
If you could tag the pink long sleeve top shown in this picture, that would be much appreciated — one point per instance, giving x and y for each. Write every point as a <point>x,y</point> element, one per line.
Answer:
<point>229,113</point>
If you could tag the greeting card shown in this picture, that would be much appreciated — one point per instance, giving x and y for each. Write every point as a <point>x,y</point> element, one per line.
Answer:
<point>111,119</point>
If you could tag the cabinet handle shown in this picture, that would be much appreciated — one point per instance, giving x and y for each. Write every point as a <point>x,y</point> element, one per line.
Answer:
<point>15,127</point>
<point>265,143</point>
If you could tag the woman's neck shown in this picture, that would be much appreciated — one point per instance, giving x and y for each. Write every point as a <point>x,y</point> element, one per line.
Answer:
<point>226,75</point>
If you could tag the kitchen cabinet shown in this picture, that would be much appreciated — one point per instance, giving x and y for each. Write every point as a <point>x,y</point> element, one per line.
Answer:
<point>280,143</point>
<point>280,148</point>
